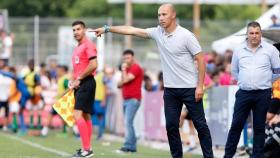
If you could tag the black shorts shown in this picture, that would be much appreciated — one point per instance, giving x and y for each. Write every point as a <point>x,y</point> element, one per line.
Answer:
<point>6,107</point>
<point>84,95</point>
<point>274,107</point>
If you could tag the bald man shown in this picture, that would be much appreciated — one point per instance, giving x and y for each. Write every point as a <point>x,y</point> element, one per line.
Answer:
<point>183,82</point>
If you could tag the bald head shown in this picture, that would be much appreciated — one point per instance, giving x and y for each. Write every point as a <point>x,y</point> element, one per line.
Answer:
<point>168,6</point>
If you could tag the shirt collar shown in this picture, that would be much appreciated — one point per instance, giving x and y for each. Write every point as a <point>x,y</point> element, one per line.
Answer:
<point>171,33</point>
<point>83,41</point>
<point>245,45</point>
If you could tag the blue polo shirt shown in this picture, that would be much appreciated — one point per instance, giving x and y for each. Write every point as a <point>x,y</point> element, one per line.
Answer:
<point>253,70</point>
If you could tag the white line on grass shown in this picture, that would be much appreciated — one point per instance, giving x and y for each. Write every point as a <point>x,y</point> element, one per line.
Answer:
<point>35,145</point>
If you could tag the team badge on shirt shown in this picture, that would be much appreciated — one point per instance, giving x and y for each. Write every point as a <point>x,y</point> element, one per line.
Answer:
<point>77,60</point>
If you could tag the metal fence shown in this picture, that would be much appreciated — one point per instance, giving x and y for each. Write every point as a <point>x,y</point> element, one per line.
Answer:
<point>28,40</point>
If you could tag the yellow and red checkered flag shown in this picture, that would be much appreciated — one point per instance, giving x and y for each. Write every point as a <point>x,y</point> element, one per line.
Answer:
<point>65,107</point>
<point>276,89</point>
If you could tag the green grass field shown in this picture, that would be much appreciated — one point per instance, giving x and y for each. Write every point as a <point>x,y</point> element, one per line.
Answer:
<point>54,146</point>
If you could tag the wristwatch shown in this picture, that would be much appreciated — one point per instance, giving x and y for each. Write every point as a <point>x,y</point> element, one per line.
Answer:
<point>106,28</point>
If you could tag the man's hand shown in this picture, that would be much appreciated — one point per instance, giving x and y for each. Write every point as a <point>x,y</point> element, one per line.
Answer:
<point>74,84</point>
<point>120,84</point>
<point>98,31</point>
<point>124,30</point>
<point>274,120</point>
<point>198,93</point>
<point>124,66</point>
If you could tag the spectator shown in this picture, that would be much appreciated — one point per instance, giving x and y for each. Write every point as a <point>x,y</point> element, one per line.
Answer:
<point>49,93</point>
<point>148,84</point>
<point>208,82</point>
<point>210,62</point>
<point>35,103</point>
<point>160,85</point>
<point>226,78</point>
<point>111,92</point>
<point>14,100</point>
<point>275,24</point>
<point>25,95</point>
<point>99,104</point>
<point>5,87</point>
<point>52,68</point>
<point>228,56</point>
<point>132,77</point>
<point>215,77</point>
<point>7,43</point>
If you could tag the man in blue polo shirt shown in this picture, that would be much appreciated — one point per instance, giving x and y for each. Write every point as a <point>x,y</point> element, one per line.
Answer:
<point>253,64</point>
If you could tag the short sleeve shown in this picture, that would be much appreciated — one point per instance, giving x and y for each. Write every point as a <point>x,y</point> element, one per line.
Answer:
<point>193,44</point>
<point>152,32</point>
<point>135,70</point>
<point>65,83</point>
<point>91,50</point>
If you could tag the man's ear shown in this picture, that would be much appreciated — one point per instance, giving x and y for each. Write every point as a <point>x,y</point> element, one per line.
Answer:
<point>174,15</point>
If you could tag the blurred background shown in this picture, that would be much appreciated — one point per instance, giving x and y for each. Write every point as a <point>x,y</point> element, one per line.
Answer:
<point>36,25</point>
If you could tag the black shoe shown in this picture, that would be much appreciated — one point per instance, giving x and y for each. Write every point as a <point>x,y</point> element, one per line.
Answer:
<point>126,150</point>
<point>78,152</point>
<point>83,153</point>
<point>249,151</point>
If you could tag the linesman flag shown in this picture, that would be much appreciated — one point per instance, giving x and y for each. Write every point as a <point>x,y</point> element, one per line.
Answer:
<point>65,107</point>
<point>276,89</point>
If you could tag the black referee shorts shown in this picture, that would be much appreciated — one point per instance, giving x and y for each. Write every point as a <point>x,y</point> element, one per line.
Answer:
<point>84,95</point>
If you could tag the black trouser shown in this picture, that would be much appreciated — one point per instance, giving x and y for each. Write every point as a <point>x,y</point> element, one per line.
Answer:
<point>173,102</point>
<point>258,101</point>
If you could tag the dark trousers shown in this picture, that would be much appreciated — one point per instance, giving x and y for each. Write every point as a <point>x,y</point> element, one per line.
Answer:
<point>258,101</point>
<point>173,102</point>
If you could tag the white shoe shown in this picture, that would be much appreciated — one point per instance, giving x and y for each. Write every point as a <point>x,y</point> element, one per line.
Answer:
<point>75,130</point>
<point>44,131</point>
<point>5,128</point>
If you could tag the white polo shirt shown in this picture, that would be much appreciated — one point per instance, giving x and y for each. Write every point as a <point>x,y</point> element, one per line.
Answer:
<point>177,51</point>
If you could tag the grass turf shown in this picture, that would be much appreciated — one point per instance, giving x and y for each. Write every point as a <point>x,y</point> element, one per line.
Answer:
<point>13,146</point>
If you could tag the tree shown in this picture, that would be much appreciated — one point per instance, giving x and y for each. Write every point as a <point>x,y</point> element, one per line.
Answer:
<point>42,8</point>
<point>101,8</point>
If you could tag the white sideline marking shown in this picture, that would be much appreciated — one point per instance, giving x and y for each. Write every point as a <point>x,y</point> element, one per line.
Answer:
<point>35,145</point>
